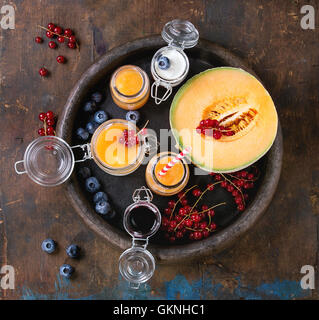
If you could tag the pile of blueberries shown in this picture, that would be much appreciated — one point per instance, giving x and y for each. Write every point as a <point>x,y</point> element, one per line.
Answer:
<point>100,199</point>
<point>73,251</point>
<point>99,116</point>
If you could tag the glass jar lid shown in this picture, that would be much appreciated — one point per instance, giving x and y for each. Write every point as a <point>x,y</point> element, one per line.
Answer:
<point>136,265</point>
<point>180,33</point>
<point>48,161</point>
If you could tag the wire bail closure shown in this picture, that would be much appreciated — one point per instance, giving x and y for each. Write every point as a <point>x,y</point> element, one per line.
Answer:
<point>154,91</point>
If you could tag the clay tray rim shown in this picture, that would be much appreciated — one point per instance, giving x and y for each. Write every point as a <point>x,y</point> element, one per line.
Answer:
<point>120,239</point>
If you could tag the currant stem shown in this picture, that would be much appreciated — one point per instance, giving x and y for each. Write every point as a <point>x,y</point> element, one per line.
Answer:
<point>242,195</point>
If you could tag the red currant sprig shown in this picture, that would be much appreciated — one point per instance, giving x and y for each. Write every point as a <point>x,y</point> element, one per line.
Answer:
<point>48,120</point>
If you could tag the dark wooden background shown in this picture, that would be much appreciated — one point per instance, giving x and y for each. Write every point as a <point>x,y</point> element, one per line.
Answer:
<point>266,262</point>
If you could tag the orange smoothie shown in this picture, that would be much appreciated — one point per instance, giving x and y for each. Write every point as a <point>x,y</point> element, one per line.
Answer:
<point>173,176</point>
<point>130,87</point>
<point>129,82</point>
<point>110,151</point>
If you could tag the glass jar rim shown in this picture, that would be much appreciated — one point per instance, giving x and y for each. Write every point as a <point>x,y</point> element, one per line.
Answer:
<point>175,81</point>
<point>141,73</point>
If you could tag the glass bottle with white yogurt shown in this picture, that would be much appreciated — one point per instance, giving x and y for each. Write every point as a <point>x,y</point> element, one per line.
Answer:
<point>170,64</point>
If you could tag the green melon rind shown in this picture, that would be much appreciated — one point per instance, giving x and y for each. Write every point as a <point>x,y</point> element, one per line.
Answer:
<point>179,94</point>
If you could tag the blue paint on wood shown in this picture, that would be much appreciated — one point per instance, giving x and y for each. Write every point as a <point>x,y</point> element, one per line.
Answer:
<point>178,288</point>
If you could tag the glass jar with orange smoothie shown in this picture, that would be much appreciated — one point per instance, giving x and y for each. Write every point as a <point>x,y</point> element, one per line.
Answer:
<point>117,148</point>
<point>130,87</point>
<point>175,179</point>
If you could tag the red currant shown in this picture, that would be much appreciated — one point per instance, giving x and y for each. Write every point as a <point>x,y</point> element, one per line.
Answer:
<point>204,207</point>
<point>250,176</point>
<point>179,234</point>
<point>188,223</point>
<point>217,134</point>
<point>203,225</point>
<point>211,212</point>
<point>50,122</point>
<point>51,26</point>
<point>198,235</point>
<point>213,226</point>
<point>196,192</point>
<point>42,116</point>
<point>205,234</point>
<point>230,188</point>
<point>41,132</point>
<point>61,39</point>
<point>218,177</point>
<point>182,211</point>
<point>171,204</point>
<point>43,72</point>
<point>241,207</point>
<point>199,130</point>
<point>184,202</point>
<point>180,195</point>
<point>49,114</point>
<point>168,211</point>
<point>210,186</point>
<point>188,209</point>
<point>246,185</point>
<point>238,200</point>
<point>60,59</point>
<point>191,236</point>
<point>195,218</point>
<point>68,32</point>
<point>72,39</point>
<point>49,34</point>
<point>50,131</point>
<point>224,184</point>
<point>52,44</point>
<point>38,40</point>
<point>58,30</point>
<point>235,193</point>
<point>173,224</point>
<point>71,45</point>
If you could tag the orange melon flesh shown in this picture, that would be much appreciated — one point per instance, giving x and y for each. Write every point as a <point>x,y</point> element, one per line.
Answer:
<point>217,87</point>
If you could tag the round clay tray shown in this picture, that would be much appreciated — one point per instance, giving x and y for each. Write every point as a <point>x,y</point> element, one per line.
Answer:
<point>231,224</point>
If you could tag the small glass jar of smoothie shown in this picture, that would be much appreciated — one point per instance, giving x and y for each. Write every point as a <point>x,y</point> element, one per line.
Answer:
<point>175,179</point>
<point>117,148</point>
<point>170,64</point>
<point>130,87</point>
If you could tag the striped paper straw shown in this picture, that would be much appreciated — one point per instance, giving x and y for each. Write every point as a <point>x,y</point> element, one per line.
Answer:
<point>180,156</point>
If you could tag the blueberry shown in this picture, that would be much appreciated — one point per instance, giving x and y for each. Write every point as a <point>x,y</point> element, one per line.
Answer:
<point>90,106</point>
<point>82,134</point>
<point>100,116</point>
<point>100,196</point>
<point>91,127</point>
<point>133,116</point>
<point>73,251</point>
<point>102,207</point>
<point>97,97</point>
<point>66,270</point>
<point>92,184</point>
<point>163,63</point>
<point>85,172</point>
<point>48,246</point>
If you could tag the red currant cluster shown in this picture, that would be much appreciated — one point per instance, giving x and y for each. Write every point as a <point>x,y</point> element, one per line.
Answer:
<point>183,221</point>
<point>129,138</point>
<point>49,122</point>
<point>238,184</point>
<point>211,128</point>
<point>53,31</point>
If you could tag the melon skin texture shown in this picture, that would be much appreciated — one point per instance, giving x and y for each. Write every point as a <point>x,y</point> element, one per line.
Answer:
<point>236,98</point>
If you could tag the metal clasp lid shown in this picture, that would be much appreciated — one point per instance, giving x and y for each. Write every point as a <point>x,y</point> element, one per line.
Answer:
<point>138,195</point>
<point>86,149</point>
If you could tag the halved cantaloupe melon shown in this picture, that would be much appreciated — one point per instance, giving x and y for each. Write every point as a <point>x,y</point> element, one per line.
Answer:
<point>240,103</point>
